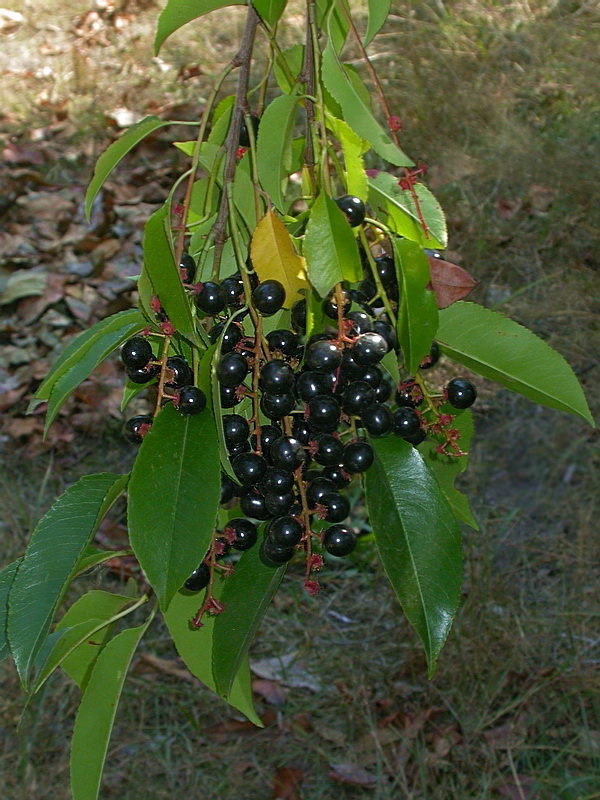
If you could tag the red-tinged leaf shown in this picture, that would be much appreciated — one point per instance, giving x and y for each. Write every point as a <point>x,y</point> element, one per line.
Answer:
<point>450,282</point>
<point>353,775</point>
<point>286,783</point>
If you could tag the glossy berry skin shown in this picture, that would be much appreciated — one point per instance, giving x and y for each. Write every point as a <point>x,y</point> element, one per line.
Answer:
<point>279,504</point>
<point>236,429</point>
<point>373,376</point>
<point>361,322</point>
<point>358,457</point>
<point>135,426</point>
<point>232,369</point>
<point>273,555</point>
<point>249,468</point>
<point>277,481</point>
<point>268,297</point>
<point>406,398</point>
<point>229,396</point>
<point>234,292</point>
<point>236,449</point>
<point>136,353</point>
<point>350,369</point>
<point>191,401</point>
<point>228,488</point>
<point>211,299</point>
<point>377,419</point>
<point>268,434</point>
<point>416,439</point>
<point>433,358</point>
<point>141,376</point>
<point>285,532</point>
<point>276,377</point>
<point>387,331</point>
<point>337,475</point>
<point>299,316</point>
<point>357,396</point>
<point>245,533</point>
<point>406,422</point>
<point>277,406</point>
<point>339,540</point>
<point>283,341</point>
<point>199,579</point>
<point>461,393</point>
<point>187,268</point>
<point>337,506</point>
<point>310,384</point>
<point>353,207</point>
<point>387,272</point>
<point>244,135</point>
<point>330,307</point>
<point>323,413</point>
<point>253,505</point>
<point>323,356</point>
<point>229,338</point>
<point>369,349</point>
<point>301,430</point>
<point>317,488</point>
<point>182,374</point>
<point>330,450</point>
<point>287,453</point>
<point>383,392</point>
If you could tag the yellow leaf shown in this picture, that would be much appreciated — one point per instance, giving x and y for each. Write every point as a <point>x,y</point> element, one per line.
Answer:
<point>274,257</point>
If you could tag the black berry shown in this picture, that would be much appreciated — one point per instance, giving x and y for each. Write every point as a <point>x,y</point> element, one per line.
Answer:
<point>234,292</point>
<point>301,430</point>
<point>361,322</point>
<point>199,578</point>
<point>277,481</point>
<point>229,338</point>
<point>330,305</point>
<point>249,468</point>
<point>245,533</point>
<point>323,413</point>
<point>136,353</point>
<point>350,369</point>
<point>283,341</point>
<point>409,395</point>
<point>353,207</point>
<point>337,507</point>
<point>236,429</point>
<point>369,349</point>
<point>273,555</point>
<point>383,392</point>
<point>279,504</point>
<point>244,135</point>
<point>358,457</point>
<point>230,396</point>
<point>136,427</point>
<point>181,373</point>
<point>388,332</point>
<point>268,297</point>
<point>461,393</point>
<point>228,488</point>
<point>299,316</point>
<point>187,268</point>
<point>416,438</point>
<point>337,475</point>
<point>236,449</point>
<point>211,299</point>
<point>276,377</point>
<point>357,396</point>
<point>268,434</point>
<point>377,419</point>
<point>406,422</point>
<point>253,505</point>
<point>323,356</point>
<point>285,532</point>
<point>387,271</point>
<point>317,488</point>
<point>287,453</point>
<point>277,406</point>
<point>310,384</point>
<point>143,375</point>
<point>232,369</point>
<point>330,450</point>
<point>191,401</point>
<point>432,359</point>
<point>373,376</point>
<point>339,540</point>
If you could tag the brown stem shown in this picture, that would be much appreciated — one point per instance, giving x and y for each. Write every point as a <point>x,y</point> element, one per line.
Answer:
<point>242,59</point>
<point>308,76</point>
<point>163,374</point>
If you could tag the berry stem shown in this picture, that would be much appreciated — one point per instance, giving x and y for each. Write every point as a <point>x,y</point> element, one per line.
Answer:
<point>308,77</point>
<point>311,10</point>
<point>377,279</point>
<point>255,378</point>
<point>163,374</point>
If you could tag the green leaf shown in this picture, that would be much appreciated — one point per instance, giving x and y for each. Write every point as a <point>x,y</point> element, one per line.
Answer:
<point>107,331</point>
<point>160,267</point>
<point>196,648</point>
<point>447,468</point>
<point>385,192</point>
<point>378,12</point>
<point>243,194</point>
<point>131,390</point>
<point>97,710</point>
<point>246,595</point>
<point>330,247</point>
<point>418,312</point>
<point>390,363</point>
<point>330,16</point>
<point>356,113</point>
<point>418,540</point>
<point>353,148</point>
<point>274,147</point>
<point>7,575</point>
<point>500,349</point>
<point>92,557</point>
<point>174,495</point>
<point>179,12</point>
<point>55,547</point>
<point>293,57</point>
<point>270,10</point>
<point>115,152</point>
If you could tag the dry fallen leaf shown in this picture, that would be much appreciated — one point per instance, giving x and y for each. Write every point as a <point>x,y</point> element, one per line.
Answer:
<point>449,281</point>
<point>355,776</point>
<point>288,671</point>
<point>272,691</point>
<point>286,783</point>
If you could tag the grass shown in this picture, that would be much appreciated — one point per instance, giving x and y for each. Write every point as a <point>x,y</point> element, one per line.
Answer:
<point>499,99</point>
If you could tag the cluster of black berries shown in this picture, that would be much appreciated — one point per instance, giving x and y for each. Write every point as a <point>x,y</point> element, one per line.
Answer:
<point>142,367</point>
